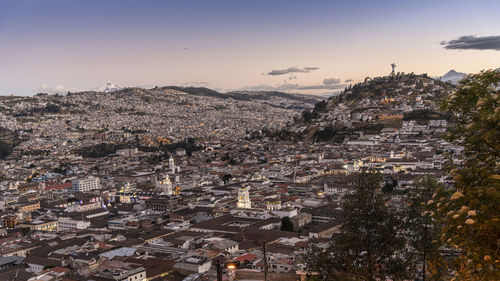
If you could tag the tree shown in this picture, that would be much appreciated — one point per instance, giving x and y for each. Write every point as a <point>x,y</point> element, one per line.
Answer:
<point>5,149</point>
<point>286,224</point>
<point>308,115</point>
<point>471,214</point>
<point>369,246</point>
<point>422,231</point>
<point>389,185</point>
<point>226,178</point>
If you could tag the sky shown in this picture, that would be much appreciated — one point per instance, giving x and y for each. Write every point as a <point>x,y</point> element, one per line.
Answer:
<point>297,46</point>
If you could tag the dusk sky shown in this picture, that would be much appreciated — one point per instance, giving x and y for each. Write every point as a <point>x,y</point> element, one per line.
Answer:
<point>297,46</point>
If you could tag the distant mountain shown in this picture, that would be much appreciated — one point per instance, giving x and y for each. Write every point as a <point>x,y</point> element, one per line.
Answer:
<point>108,87</point>
<point>245,95</point>
<point>452,76</point>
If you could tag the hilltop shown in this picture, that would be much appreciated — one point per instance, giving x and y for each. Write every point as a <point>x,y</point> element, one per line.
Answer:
<point>368,108</point>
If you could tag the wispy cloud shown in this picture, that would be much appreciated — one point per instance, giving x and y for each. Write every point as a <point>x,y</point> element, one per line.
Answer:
<point>331,81</point>
<point>57,89</point>
<point>306,69</point>
<point>473,43</point>
<point>348,81</point>
<point>329,84</point>
<point>321,87</point>
<point>261,87</point>
<point>196,84</point>
<point>298,87</point>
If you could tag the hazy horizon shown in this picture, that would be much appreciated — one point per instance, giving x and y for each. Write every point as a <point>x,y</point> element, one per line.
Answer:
<point>313,47</point>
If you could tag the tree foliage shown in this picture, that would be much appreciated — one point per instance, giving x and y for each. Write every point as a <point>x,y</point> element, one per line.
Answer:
<point>188,144</point>
<point>226,178</point>
<point>286,224</point>
<point>5,149</point>
<point>99,150</point>
<point>470,215</point>
<point>369,246</point>
<point>422,231</point>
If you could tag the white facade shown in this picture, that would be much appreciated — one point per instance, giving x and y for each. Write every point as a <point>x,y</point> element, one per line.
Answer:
<point>244,198</point>
<point>171,164</point>
<point>273,205</point>
<point>86,185</point>
<point>35,268</point>
<point>165,185</point>
<point>337,190</point>
<point>68,224</point>
<point>192,264</point>
<point>288,212</point>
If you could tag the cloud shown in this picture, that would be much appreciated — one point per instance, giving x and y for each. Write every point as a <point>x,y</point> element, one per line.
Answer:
<point>57,89</point>
<point>196,84</point>
<point>261,87</point>
<point>276,72</point>
<point>288,87</point>
<point>473,43</point>
<point>292,77</point>
<point>321,87</point>
<point>331,81</point>
<point>348,80</point>
<point>328,84</point>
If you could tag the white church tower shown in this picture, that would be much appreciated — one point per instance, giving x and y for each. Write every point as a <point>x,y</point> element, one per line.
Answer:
<point>171,164</point>
<point>244,198</point>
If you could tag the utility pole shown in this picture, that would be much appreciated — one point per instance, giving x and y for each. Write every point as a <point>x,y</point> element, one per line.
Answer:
<point>219,270</point>
<point>265,261</point>
<point>424,273</point>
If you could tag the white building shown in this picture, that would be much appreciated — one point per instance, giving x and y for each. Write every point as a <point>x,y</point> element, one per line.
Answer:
<point>86,185</point>
<point>128,152</point>
<point>273,205</point>
<point>171,164</point>
<point>165,185</point>
<point>192,264</point>
<point>68,224</point>
<point>244,198</point>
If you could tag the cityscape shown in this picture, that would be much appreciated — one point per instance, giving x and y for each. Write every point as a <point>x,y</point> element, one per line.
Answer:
<point>385,174</point>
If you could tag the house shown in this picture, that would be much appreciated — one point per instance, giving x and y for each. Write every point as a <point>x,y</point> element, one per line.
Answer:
<point>325,230</point>
<point>7,262</point>
<point>193,265</point>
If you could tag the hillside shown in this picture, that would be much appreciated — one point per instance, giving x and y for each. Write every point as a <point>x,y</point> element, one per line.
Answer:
<point>368,108</point>
<point>166,114</point>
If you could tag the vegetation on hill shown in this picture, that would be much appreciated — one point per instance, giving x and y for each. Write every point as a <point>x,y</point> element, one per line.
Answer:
<point>188,144</point>
<point>8,141</point>
<point>100,150</point>
<point>5,149</point>
<point>371,106</point>
<point>47,109</point>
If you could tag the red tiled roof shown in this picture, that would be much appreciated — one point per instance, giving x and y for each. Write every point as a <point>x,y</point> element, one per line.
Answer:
<point>246,257</point>
<point>58,186</point>
<point>58,269</point>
